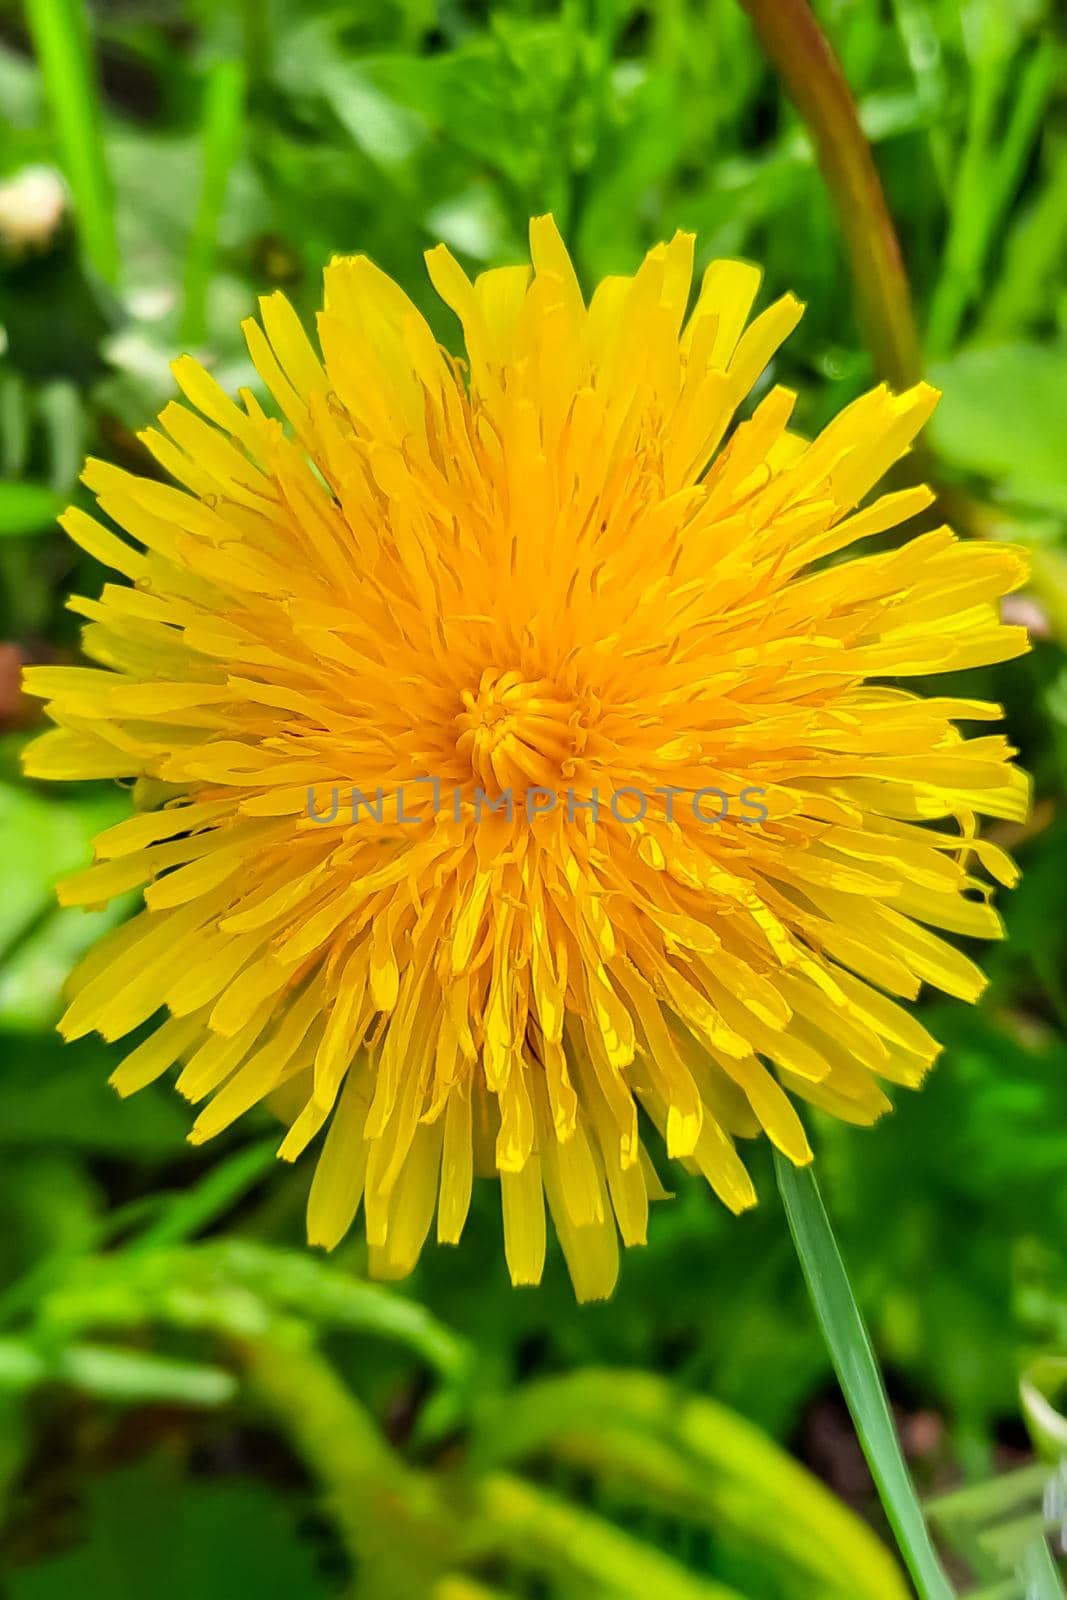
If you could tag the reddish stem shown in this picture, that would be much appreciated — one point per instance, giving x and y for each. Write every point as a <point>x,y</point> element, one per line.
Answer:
<point>801,54</point>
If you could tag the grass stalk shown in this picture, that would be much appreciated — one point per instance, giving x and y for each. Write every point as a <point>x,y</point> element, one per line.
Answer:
<point>223,127</point>
<point>812,77</point>
<point>858,1373</point>
<point>61,41</point>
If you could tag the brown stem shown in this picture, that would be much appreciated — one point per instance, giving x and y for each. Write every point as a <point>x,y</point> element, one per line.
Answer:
<point>801,54</point>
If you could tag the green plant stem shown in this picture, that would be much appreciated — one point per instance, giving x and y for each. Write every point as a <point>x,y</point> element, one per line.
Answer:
<point>547,1536</point>
<point>395,1528</point>
<point>61,41</point>
<point>813,79</point>
<point>858,1373</point>
<point>694,1457</point>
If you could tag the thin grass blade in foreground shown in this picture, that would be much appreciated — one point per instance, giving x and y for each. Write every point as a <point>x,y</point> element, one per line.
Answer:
<point>60,33</point>
<point>858,1374</point>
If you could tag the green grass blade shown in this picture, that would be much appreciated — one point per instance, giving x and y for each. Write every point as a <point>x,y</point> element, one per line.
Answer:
<point>857,1370</point>
<point>60,33</point>
<point>190,1213</point>
<point>223,130</point>
<point>991,171</point>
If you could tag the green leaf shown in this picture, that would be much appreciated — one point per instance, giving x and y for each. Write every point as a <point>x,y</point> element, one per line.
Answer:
<point>324,1292</point>
<point>1001,415</point>
<point>33,977</point>
<point>134,1377</point>
<point>232,1286</point>
<point>55,1095</point>
<point>153,1532</point>
<point>28,508</point>
<point>44,839</point>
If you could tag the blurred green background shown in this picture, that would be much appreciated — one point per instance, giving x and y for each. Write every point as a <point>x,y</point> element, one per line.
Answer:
<point>191,1403</point>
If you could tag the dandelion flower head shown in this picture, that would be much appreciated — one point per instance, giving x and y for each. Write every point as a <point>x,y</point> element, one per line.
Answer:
<point>425,677</point>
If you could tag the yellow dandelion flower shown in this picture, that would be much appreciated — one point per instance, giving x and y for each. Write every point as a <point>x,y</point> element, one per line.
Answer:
<point>514,751</point>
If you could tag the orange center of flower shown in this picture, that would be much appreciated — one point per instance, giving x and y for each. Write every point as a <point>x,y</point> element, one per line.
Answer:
<point>515,732</point>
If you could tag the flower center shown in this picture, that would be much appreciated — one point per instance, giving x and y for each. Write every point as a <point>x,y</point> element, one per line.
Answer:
<point>516,733</point>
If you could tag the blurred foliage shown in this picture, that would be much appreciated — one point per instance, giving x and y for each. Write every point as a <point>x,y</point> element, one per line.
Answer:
<point>190,1402</point>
